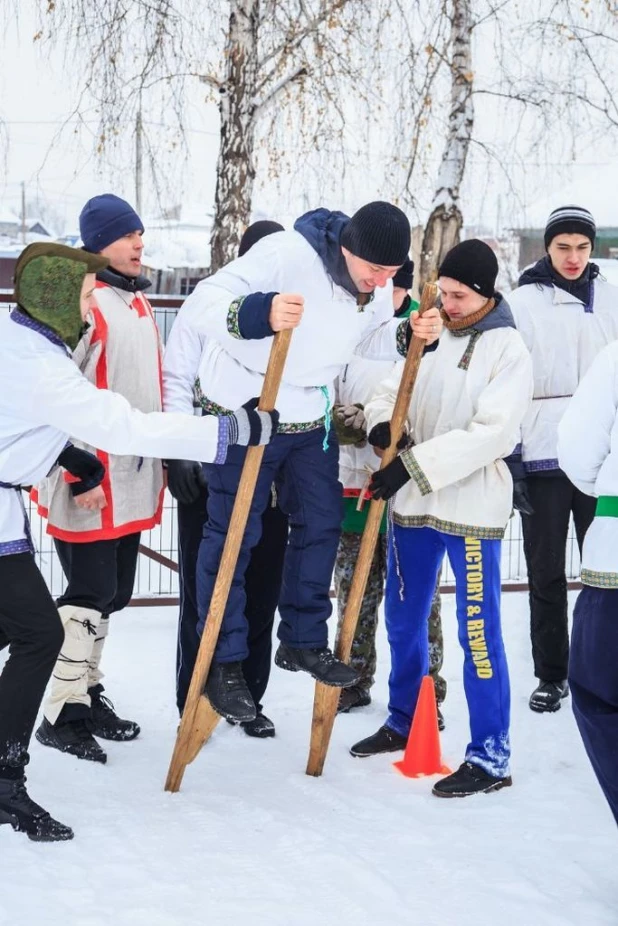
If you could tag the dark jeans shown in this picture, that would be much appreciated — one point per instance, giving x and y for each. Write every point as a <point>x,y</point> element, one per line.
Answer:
<point>100,574</point>
<point>307,481</point>
<point>554,499</point>
<point>262,588</point>
<point>593,677</point>
<point>31,627</point>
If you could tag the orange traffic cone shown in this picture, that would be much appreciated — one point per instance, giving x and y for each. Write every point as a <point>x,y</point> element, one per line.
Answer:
<point>422,755</point>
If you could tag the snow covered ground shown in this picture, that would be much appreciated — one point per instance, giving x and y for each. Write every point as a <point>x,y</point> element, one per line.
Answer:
<point>251,840</point>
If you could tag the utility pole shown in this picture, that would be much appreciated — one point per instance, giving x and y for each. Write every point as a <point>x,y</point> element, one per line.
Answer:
<point>138,159</point>
<point>23,212</point>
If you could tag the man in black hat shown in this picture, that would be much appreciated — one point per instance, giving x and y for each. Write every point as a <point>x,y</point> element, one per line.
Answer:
<point>566,314</point>
<point>330,279</point>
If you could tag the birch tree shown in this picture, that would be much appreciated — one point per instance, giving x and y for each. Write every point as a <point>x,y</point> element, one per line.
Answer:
<point>248,54</point>
<point>445,219</point>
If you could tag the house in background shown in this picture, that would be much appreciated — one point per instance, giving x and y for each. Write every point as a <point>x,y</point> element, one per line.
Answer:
<point>532,248</point>
<point>12,242</point>
<point>177,251</point>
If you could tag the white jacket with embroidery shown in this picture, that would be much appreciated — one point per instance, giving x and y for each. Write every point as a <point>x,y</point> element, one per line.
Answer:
<point>45,400</point>
<point>225,370</point>
<point>563,337</point>
<point>468,403</point>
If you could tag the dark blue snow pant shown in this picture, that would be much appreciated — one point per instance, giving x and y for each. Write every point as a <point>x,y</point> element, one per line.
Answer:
<point>308,490</point>
<point>593,677</point>
<point>415,555</point>
<point>262,587</point>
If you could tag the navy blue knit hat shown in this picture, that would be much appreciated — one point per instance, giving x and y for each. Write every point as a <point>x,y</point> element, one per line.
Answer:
<point>378,233</point>
<point>105,219</point>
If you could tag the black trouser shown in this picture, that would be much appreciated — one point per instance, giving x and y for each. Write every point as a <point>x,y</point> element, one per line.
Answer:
<point>100,573</point>
<point>262,587</point>
<point>554,499</point>
<point>31,627</point>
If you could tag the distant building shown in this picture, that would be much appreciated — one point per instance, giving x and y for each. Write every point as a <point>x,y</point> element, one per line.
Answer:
<point>532,248</point>
<point>11,228</point>
<point>177,252</point>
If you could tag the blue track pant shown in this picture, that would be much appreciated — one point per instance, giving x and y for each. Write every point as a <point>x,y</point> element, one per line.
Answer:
<point>414,559</point>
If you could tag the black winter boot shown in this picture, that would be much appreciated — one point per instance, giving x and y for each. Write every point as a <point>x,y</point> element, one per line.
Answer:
<point>547,696</point>
<point>25,816</point>
<point>384,740</point>
<point>105,722</point>
<point>262,727</point>
<point>73,737</point>
<point>351,698</point>
<point>469,779</point>
<point>227,691</point>
<point>441,724</point>
<point>321,664</point>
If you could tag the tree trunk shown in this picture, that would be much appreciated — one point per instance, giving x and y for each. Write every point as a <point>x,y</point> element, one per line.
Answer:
<point>445,222</point>
<point>235,169</point>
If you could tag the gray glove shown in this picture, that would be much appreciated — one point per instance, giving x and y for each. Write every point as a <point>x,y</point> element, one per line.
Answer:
<point>250,427</point>
<point>349,421</point>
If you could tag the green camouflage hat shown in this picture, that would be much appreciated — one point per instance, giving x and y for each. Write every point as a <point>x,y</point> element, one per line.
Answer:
<point>48,283</point>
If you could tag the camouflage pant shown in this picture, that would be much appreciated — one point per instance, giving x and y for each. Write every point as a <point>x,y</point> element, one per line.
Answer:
<point>363,655</point>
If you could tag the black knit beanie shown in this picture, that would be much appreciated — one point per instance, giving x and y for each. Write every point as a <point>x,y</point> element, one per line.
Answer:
<point>256,231</point>
<point>570,220</point>
<point>405,275</point>
<point>378,233</point>
<point>474,264</point>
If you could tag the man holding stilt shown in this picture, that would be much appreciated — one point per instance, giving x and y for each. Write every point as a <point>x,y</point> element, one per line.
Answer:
<point>355,386</point>
<point>327,278</point>
<point>452,495</point>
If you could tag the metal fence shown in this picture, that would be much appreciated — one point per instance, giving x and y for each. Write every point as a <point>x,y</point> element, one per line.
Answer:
<point>157,574</point>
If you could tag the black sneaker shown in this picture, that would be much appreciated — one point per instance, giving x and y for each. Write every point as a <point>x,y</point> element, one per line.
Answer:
<point>105,722</point>
<point>351,698</point>
<point>385,740</point>
<point>262,727</point>
<point>469,779</point>
<point>73,737</point>
<point>227,691</point>
<point>441,724</point>
<point>321,665</point>
<point>547,696</point>
<point>26,816</point>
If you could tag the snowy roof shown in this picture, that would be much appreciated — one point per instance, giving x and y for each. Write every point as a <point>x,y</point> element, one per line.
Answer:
<point>176,244</point>
<point>8,218</point>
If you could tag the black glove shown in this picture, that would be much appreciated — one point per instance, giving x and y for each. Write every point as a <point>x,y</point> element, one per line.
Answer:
<point>185,480</point>
<point>84,466</point>
<point>380,436</point>
<point>521,499</point>
<point>250,427</point>
<point>386,482</point>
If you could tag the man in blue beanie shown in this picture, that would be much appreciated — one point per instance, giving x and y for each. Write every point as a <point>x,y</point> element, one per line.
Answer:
<point>97,534</point>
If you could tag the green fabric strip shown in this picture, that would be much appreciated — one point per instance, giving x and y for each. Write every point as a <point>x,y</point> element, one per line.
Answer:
<point>607,506</point>
<point>354,521</point>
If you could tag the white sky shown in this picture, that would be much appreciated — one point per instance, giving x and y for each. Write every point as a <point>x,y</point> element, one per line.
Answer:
<point>36,94</point>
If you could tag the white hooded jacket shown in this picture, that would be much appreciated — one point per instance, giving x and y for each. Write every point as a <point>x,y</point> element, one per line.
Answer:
<point>563,337</point>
